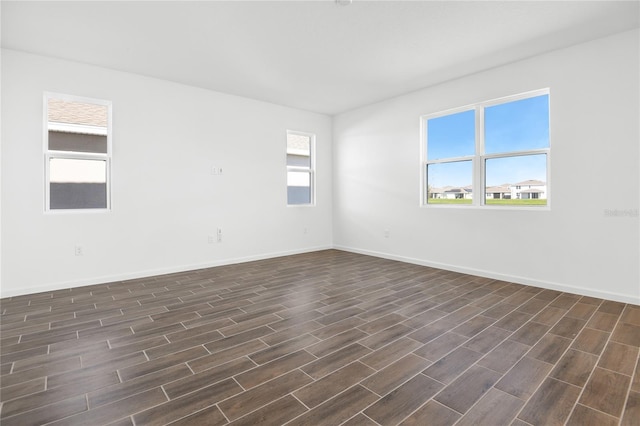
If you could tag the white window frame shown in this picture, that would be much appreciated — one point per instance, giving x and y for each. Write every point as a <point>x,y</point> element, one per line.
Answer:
<point>311,169</point>
<point>73,155</point>
<point>479,158</point>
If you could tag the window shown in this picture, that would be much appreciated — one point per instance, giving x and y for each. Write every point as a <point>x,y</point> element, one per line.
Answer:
<point>300,168</point>
<point>77,153</point>
<point>498,149</point>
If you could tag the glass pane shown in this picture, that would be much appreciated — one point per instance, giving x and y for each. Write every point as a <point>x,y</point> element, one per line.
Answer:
<point>450,183</point>
<point>451,136</point>
<point>517,126</point>
<point>78,142</point>
<point>298,188</point>
<point>298,150</point>
<point>77,184</point>
<point>77,126</point>
<point>516,181</point>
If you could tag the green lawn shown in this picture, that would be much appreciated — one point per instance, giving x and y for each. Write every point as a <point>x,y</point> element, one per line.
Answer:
<point>490,202</point>
<point>537,202</point>
<point>449,201</point>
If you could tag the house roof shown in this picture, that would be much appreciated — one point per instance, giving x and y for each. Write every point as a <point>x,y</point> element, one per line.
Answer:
<point>498,189</point>
<point>531,182</point>
<point>60,111</point>
<point>458,190</point>
<point>298,144</point>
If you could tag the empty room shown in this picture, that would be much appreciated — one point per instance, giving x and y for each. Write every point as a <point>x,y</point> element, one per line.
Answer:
<point>330,212</point>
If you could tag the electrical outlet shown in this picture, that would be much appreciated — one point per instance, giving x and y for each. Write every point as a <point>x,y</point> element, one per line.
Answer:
<point>305,230</point>
<point>211,239</point>
<point>219,235</point>
<point>79,250</point>
<point>386,233</point>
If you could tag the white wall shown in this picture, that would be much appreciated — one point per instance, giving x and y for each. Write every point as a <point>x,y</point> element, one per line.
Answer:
<point>594,167</point>
<point>167,137</point>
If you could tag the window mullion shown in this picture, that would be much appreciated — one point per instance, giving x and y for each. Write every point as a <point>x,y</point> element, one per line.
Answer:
<point>479,174</point>
<point>517,153</point>
<point>450,160</point>
<point>78,155</point>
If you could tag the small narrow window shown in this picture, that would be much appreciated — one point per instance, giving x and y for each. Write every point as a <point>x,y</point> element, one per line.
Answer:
<point>300,168</point>
<point>77,153</point>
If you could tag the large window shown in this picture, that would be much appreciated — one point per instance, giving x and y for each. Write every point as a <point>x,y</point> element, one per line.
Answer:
<point>494,153</point>
<point>77,153</point>
<point>300,168</point>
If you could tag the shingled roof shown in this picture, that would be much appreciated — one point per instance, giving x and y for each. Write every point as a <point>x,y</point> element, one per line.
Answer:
<point>530,182</point>
<point>60,111</point>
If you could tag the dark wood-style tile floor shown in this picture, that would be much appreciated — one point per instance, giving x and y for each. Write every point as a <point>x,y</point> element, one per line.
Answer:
<point>325,338</point>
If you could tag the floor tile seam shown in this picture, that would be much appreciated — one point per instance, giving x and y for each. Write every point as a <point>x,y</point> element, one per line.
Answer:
<point>248,390</point>
<point>538,341</point>
<point>281,356</point>
<point>618,418</point>
<point>335,371</point>
<point>131,415</point>
<point>26,394</point>
<point>628,392</point>
<point>446,385</point>
<point>334,397</point>
<point>20,413</point>
<point>504,340</point>
<point>480,399</point>
<point>435,401</point>
<point>257,366</point>
<point>24,350</point>
<point>397,387</point>
<point>526,401</point>
<point>191,392</point>
<point>361,412</point>
<point>548,375</point>
<point>566,382</point>
<point>16,332</point>
<point>448,353</point>
<point>63,358</point>
<point>182,378</point>
<point>599,356</point>
<point>62,330</point>
<point>630,376</point>
<point>426,324</point>
<point>146,374</point>
<point>413,376</point>
<point>368,334</point>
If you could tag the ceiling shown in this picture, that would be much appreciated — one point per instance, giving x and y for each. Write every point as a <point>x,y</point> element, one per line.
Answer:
<point>313,55</point>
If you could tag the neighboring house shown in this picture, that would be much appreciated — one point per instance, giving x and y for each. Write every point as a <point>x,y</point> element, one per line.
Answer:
<point>436,192</point>
<point>502,192</point>
<point>525,190</point>
<point>529,190</point>
<point>458,193</point>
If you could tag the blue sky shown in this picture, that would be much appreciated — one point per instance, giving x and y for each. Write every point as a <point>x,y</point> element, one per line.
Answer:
<point>512,126</point>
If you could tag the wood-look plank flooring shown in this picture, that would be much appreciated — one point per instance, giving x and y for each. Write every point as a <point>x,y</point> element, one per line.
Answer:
<point>324,338</point>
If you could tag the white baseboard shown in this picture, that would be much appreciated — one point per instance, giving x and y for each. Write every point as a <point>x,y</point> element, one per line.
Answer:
<point>624,298</point>
<point>456,268</point>
<point>152,272</point>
